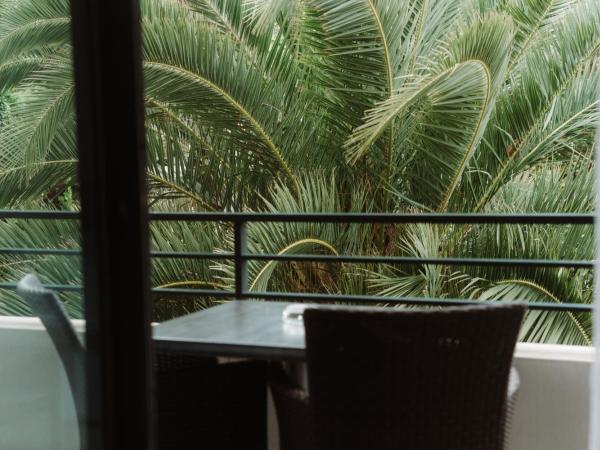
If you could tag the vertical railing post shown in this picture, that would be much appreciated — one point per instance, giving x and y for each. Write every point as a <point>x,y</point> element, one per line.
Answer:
<point>240,260</point>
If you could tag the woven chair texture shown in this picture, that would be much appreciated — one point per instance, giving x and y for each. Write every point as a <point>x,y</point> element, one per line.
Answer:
<point>402,380</point>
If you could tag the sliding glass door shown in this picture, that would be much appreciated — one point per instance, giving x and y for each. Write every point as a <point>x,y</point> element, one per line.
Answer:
<point>74,337</point>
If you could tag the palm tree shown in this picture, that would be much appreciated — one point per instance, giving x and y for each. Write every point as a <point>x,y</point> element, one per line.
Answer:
<point>330,106</point>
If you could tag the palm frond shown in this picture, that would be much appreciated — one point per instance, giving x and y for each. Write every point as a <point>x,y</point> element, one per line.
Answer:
<point>316,193</point>
<point>451,105</point>
<point>41,118</point>
<point>14,71</point>
<point>543,326</point>
<point>226,16</point>
<point>38,234</point>
<point>200,84</point>
<point>552,86</point>
<point>419,241</point>
<point>33,25</point>
<point>533,18</point>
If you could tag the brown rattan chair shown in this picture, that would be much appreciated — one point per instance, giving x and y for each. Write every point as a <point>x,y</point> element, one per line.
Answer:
<point>199,404</point>
<point>402,380</point>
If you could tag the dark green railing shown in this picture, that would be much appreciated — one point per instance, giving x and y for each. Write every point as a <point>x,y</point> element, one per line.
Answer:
<point>241,256</point>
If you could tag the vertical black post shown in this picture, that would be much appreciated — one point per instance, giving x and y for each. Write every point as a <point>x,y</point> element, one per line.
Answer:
<point>241,263</point>
<point>107,58</point>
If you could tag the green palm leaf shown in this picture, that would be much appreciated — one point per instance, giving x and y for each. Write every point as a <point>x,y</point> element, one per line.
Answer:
<point>550,92</point>
<point>543,326</point>
<point>28,26</point>
<point>197,83</point>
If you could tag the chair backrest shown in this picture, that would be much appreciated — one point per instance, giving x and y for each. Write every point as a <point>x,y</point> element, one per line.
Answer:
<point>200,404</point>
<point>46,305</point>
<point>410,380</point>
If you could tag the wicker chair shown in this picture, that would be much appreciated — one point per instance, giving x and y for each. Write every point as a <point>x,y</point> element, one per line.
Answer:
<point>200,404</point>
<point>409,380</point>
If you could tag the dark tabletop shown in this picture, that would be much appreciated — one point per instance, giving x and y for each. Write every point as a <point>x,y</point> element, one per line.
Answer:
<point>239,328</point>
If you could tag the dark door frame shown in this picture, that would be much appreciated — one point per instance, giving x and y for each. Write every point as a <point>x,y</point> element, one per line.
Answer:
<point>110,125</point>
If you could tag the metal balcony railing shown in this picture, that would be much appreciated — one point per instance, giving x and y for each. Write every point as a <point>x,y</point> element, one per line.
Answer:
<point>241,255</point>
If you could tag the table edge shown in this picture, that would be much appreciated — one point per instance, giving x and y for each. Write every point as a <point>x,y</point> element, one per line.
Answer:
<point>232,350</point>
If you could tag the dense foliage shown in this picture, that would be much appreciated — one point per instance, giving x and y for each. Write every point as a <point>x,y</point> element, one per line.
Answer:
<point>331,106</point>
<point>4,105</point>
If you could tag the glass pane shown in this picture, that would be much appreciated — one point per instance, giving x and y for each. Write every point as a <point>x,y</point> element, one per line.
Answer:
<point>395,106</point>
<point>38,171</point>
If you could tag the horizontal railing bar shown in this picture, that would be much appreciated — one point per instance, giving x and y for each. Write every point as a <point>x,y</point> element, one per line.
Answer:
<point>198,255</point>
<point>202,292</point>
<point>170,291</point>
<point>425,301</point>
<point>413,260</point>
<point>575,264</point>
<point>77,252</point>
<point>40,251</point>
<point>439,218</point>
<point>39,214</point>
<point>52,287</point>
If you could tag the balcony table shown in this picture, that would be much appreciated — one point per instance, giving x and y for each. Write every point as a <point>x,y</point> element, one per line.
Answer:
<point>251,329</point>
<point>240,328</point>
<point>248,329</point>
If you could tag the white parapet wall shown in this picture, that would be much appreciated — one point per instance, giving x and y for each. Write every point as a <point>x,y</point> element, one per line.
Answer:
<point>553,407</point>
<point>36,410</point>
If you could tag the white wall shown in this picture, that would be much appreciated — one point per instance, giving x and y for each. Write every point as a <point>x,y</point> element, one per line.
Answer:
<point>36,410</point>
<point>553,406</point>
